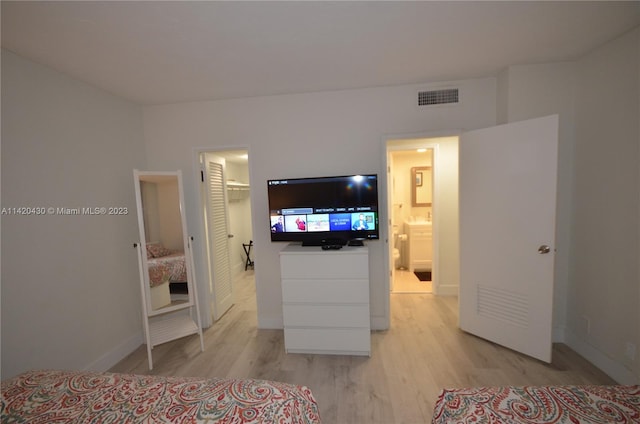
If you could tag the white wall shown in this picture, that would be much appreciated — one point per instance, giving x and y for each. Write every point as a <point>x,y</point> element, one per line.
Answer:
<point>598,226</point>
<point>70,290</point>
<point>311,134</point>
<point>605,278</point>
<point>161,209</point>
<point>170,219</point>
<point>447,217</point>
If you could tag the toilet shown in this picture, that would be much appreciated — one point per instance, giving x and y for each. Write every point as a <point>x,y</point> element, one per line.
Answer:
<point>397,240</point>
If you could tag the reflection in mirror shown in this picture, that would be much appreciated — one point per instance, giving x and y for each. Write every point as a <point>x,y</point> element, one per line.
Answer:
<point>163,241</point>
<point>421,186</point>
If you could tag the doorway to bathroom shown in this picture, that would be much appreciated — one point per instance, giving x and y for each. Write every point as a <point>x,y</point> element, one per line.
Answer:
<point>422,195</point>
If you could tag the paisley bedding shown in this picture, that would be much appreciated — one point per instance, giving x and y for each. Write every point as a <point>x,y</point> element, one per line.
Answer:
<point>169,268</point>
<point>547,404</point>
<point>82,397</point>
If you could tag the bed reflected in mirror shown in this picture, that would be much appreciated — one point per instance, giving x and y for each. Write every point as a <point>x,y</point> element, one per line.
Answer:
<point>163,241</point>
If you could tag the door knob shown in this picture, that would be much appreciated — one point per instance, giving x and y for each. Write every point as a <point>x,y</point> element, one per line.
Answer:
<point>544,249</point>
<point>229,235</point>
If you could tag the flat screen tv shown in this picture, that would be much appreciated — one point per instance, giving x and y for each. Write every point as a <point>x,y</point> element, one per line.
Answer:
<point>325,210</point>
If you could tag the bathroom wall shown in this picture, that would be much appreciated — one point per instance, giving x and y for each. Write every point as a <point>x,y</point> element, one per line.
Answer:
<point>403,161</point>
<point>403,210</point>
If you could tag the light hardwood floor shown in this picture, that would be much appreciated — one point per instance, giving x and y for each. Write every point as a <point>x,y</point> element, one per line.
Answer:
<point>420,354</point>
<point>405,281</point>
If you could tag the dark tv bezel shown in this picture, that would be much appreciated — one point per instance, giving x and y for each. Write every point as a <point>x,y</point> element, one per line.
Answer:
<point>322,238</point>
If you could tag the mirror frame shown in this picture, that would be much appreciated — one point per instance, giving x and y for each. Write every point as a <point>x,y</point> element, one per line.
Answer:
<point>150,176</point>
<point>418,180</point>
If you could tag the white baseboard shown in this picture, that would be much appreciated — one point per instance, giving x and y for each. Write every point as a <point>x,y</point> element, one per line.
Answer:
<point>116,354</point>
<point>613,369</point>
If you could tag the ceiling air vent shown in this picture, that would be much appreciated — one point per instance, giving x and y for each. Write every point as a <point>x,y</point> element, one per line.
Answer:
<point>438,97</point>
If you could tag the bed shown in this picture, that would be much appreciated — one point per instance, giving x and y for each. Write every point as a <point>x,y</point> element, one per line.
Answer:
<point>173,267</point>
<point>545,404</point>
<point>166,267</point>
<point>79,397</point>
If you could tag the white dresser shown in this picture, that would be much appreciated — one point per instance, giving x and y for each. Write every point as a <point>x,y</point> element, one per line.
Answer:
<point>325,296</point>
<point>419,245</point>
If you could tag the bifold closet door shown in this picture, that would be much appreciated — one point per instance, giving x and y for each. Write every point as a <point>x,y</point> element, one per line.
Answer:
<point>218,237</point>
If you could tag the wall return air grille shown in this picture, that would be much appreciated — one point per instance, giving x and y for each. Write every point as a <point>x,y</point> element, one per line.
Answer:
<point>438,97</point>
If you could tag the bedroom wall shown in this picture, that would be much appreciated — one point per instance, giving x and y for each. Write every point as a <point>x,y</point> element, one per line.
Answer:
<point>311,134</point>
<point>605,278</point>
<point>70,290</point>
<point>169,216</point>
<point>149,197</point>
<point>598,227</point>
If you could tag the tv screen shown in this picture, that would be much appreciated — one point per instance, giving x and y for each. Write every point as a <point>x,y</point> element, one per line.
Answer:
<point>325,210</point>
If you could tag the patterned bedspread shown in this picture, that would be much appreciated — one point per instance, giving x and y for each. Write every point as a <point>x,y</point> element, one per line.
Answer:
<point>83,397</point>
<point>170,268</point>
<point>550,404</point>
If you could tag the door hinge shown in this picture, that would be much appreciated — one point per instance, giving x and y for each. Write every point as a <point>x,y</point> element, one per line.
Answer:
<point>201,175</point>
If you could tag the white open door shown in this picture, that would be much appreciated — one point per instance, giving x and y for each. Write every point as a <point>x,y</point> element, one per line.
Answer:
<point>508,180</point>
<point>217,227</point>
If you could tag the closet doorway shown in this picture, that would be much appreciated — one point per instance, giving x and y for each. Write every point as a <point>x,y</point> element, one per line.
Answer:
<point>227,218</point>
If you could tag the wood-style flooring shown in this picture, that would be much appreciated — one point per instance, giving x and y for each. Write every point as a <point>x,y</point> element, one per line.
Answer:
<point>405,281</point>
<point>420,354</point>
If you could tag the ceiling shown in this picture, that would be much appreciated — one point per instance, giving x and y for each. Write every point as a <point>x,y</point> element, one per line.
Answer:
<point>158,52</point>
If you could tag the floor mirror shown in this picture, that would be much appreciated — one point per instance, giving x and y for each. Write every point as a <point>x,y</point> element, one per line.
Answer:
<point>167,281</point>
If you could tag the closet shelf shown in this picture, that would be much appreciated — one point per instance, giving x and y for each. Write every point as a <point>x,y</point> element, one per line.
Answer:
<point>234,185</point>
<point>237,190</point>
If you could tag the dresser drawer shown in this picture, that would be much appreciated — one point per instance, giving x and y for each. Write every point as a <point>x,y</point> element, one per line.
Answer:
<point>325,265</point>
<point>350,341</point>
<point>325,291</point>
<point>335,316</point>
